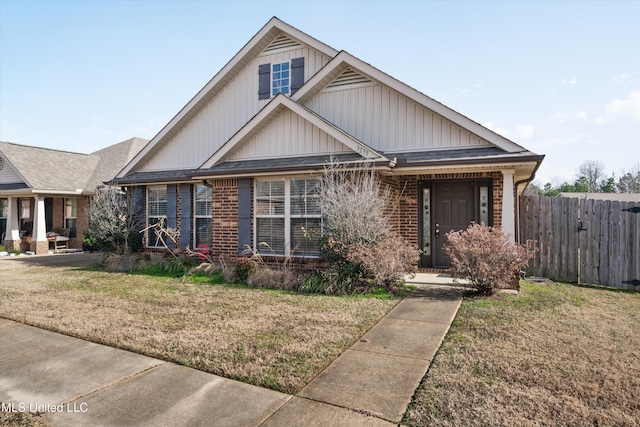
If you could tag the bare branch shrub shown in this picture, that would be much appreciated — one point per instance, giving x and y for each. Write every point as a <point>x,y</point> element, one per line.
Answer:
<point>362,251</point>
<point>353,204</point>
<point>386,262</point>
<point>111,219</point>
<point>486,257</point>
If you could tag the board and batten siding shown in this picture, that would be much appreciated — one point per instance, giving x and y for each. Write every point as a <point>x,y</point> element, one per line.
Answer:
<point>226,113</point>
<point>289,135</point>
<point>8,174</point>
<point>388,121</point>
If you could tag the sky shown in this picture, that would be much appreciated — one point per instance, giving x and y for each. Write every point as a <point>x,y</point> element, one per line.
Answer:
<point>561,78</point>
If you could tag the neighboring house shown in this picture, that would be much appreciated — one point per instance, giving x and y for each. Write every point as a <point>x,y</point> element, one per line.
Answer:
<point>618,197</point>
<point>239,164</point>
<point>43,189</point>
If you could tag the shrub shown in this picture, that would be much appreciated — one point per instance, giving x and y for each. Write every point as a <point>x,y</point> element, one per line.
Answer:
<point>362,251</point>
<point>386,262</point>
<point>244,268</point>
<point>486,257</point>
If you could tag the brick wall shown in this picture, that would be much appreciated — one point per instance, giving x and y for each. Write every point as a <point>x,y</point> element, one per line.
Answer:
<point>224,225</point>
<point>404,212</point>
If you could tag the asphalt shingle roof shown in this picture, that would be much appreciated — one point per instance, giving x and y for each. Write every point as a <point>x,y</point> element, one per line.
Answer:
<point>56,170</point>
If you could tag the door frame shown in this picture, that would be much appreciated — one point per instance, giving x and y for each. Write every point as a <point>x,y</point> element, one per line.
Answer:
<point>427,261</point>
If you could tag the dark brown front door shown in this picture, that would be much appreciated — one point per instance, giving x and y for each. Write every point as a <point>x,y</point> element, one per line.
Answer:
<point>453,210</point>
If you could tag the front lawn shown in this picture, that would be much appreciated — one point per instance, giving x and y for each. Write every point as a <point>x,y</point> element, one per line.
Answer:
<point>275,339</point>
<point>555,354</point>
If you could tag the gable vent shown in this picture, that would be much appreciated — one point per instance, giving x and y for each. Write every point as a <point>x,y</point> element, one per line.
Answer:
<point>348,77</point>
<point>281,42</point>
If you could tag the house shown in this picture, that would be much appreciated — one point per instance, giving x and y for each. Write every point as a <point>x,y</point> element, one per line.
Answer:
<point>238,164</point>
<point>43,189</point>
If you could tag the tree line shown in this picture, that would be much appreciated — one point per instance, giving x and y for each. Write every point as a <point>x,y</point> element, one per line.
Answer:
<point>591,178</point>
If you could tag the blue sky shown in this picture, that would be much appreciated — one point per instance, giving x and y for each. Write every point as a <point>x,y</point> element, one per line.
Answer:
<point>560,78</point>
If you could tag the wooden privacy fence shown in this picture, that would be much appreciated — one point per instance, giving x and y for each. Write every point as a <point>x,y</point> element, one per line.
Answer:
<point>583,241</point>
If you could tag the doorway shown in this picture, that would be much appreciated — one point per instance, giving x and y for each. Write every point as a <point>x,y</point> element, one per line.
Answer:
<point>446,206</point>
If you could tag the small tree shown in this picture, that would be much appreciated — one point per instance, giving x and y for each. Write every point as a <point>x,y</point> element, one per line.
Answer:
<point>486,257</point>
<point>111,219</point>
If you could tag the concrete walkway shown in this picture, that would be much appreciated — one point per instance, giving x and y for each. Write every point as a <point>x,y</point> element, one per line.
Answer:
<point>370,384</point>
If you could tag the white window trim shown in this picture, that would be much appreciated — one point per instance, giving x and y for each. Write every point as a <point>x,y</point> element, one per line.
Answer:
<point>272,95</point>
<point>147,216</point>
<point>196,216</point>
<point>287,215</point>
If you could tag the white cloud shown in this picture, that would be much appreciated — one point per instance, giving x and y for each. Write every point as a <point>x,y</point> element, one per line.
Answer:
<point>500,131</point>
<point>479,85</point>
<point>461,89</point>
<point>582,115</point>
<point>622,108</point>
<point>525,131</point>
<point>564,116</point>
<point>570,81</point>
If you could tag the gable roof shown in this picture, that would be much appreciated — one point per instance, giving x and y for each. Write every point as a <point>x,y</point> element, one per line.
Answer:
<point>344,61</point>
<point>275,107</point>
<point>48,170</point>
<point>261,40</point>
<point>343,68</point>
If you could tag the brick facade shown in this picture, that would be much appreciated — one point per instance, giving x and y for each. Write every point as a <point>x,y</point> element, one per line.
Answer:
<point>224,225</point>
<point>403,210</point>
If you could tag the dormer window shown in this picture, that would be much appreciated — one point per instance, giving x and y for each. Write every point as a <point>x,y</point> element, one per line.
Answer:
<point>284,77</point>
<point>280,78</point>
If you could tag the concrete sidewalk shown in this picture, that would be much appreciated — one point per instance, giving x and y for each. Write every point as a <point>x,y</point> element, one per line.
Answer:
<point>370,384</point>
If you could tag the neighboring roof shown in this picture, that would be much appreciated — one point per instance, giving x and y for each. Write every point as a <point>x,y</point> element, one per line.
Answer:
<point>48,170</point>
<point>112,159</point>
<point>258,42</point>
<point>619,197</point>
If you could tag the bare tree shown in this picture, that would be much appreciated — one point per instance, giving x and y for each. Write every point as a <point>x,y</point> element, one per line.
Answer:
<point>111,219</point>
<point>593,172</point>
<point>629,182</point>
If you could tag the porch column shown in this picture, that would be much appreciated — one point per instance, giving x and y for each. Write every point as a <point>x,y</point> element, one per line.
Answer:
<point>39,243</point>
<point>12,238</point>
<point>508,204</point>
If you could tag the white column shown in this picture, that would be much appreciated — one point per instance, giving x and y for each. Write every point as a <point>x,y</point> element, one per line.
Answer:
<point>39,223</point>
<point>508,204</point>
<point>13,227</point>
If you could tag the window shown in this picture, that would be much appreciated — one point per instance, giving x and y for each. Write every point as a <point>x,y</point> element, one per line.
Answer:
<point>306,221</point>
<point>288,219</point>
<point>25,213</point>
<point>280,78</point>
<point>202,216</point>
<point>156,212</point>
<point>4,212</point>
<point>70,215</point>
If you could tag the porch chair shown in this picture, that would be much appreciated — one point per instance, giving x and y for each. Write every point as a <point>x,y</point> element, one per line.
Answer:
<point>59,237</point>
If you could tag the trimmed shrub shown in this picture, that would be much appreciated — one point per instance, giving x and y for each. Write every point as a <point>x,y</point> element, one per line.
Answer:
<point>485,257</point>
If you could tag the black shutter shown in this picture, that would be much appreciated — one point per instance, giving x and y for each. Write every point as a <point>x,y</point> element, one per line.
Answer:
<point>185,215</point>
<point>138,215</point>
<point>297,74</point>
<point>172,210</point>
<point>264,81</point>
<point>244,214</point>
